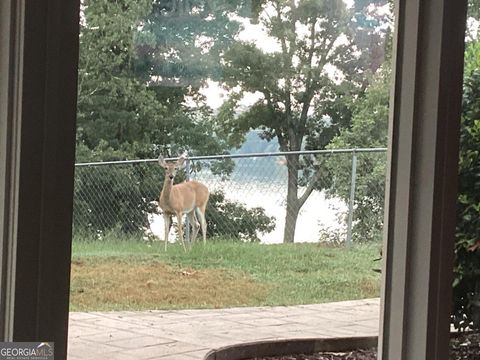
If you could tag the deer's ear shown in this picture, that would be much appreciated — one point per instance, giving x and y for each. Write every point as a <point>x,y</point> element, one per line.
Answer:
<point>162,161</point>
<point>181,162</point>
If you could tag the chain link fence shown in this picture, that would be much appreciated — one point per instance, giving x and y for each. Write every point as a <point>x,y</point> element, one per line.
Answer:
<point>253,197</point>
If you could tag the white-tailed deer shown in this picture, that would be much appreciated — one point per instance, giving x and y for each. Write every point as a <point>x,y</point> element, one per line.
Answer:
<point>189,198</point>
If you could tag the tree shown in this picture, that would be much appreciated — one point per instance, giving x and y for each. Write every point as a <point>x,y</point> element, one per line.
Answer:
<point>298,84</point>
<point>181,41</point>
<point>177,52</point>
<point>119,102</point>
<point>113,106</point>
<point>474,9</point>
<point>369,128</point>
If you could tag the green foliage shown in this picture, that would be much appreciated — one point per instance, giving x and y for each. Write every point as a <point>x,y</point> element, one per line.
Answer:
<point>368,129</point>
<point>119,102</point>
<point>466,286</point>
<point>290,81</point>
<point>108,197</point>
<point>177,51</point>
<point>232,220</point>
<point>115,197</point>
<point>113,106</point>
<point>171,49</point>
<point>474,9</point>
<point>372,36</point>
<point>369,126</point>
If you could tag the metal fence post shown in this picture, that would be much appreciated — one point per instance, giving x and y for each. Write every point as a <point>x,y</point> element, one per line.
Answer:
<point>187,178</point>
<point>352,199</point>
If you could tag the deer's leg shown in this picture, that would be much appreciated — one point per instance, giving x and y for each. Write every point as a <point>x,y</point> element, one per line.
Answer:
<point>203,222</point>
<point>180,229</point>
<point>195,226</point>
<point>167,223</point>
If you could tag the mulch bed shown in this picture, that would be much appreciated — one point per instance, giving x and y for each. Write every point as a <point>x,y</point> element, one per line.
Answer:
<point>463,347</point>
<point>350,355</point>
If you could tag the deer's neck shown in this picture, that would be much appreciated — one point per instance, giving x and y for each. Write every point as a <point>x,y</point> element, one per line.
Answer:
<point>167,189</point>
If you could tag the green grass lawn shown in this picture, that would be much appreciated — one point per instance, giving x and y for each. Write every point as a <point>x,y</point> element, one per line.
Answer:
<point>113,275</point>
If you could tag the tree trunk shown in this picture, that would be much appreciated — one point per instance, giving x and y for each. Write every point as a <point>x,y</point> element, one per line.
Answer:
<point>293,206</point>
<point>290,224</point>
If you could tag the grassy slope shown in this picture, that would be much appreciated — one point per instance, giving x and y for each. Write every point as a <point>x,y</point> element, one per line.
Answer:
<point>219,274</point>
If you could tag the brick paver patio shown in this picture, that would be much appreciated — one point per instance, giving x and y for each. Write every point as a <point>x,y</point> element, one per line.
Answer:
<point>190,334</point>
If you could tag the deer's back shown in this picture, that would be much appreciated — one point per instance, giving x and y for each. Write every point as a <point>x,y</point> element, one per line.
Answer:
<point>185,196</point>
<point>199,190</point>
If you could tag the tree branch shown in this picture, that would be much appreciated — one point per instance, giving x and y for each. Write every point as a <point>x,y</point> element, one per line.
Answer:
<point>326,59</point>
<point>277,129</point>
<point>310,188</point>
<point>308,83</point>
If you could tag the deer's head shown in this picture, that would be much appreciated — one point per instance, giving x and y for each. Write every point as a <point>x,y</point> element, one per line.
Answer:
<point>171,167</point>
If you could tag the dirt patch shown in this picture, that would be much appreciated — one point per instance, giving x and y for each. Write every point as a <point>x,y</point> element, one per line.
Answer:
<point>115,284</point>
<point>463,347</point>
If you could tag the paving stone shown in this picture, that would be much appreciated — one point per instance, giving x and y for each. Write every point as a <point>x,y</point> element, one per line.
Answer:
<point>238,336</point>
<point>213,341</point>
<point>238,317</point>
<point>372,323</point>
<point>115,355</point>
<point>78,329</point>
<point>84,349</point>
<point>264,321</point>
<point>154,352</point>
<point>141,341</point>
<point>110,337</point>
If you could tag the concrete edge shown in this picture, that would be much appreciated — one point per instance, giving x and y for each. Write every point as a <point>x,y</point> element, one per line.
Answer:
<point>293,346</point>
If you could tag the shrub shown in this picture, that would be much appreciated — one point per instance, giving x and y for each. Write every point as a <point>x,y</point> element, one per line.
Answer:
<point>114,197</point>
<point>232,220</point>
<point>466,286</point>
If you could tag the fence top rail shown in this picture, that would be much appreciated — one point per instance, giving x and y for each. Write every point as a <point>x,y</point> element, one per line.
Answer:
<point>236,156</point>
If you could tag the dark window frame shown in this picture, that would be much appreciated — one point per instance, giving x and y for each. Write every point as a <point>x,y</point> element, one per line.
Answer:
<point>37,186</point>
<point>422,179</point>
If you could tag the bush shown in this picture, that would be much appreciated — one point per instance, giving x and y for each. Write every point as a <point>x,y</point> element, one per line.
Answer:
<point>466,286</point>
<point>115,197</point>
<point>232,220</point>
